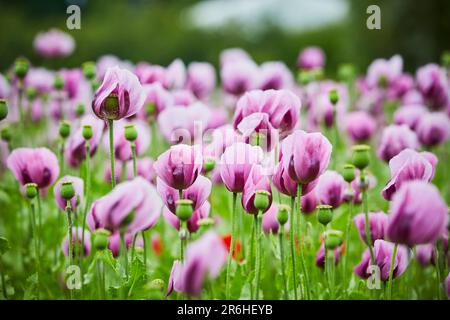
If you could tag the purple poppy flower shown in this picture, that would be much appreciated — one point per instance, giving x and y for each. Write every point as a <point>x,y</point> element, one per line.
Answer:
<point>256,181</point>
<point>433,84</point>
<point>377,225</point>
<point>201,79</point>
<point>77,236</point>
<point>311,58</point>
<point>54,43</point>
<point>330,189</point>
<point>395,139</point>
<point>360,126</point>
<point>409,115</point>
<point>202,212</point>
<point>433,129</point>
<point>320,256</point>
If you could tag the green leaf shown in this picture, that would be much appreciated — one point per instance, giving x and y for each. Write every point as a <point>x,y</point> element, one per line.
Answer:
<point>4,245</point>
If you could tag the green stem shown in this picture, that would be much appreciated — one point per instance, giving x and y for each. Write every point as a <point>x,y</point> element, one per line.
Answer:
<point>232,243</point>
<point>36,242</point>
<point>283,268</point>
<point>302,246</point>
<point>100,279</point>
<point>111,151</point>
<point>438,271</point>
<point>258,220</point>
<point>144,241</point>
<point>123,252</point>
<point>133,156</point>
<point>19,102</point>
<point>61,155</point>
<point>5,293</point>
<point>291,235</point>
<point>366,224</point>
<point>39,219</point>
<point>133,246</point>
<point>391,271</point>
<point>69,223</point>
<point>347,244</point>
<point>183,235</point>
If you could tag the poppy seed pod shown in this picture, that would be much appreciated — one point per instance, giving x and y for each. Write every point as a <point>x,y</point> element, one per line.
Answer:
<point>209,164</point>
<point>361,156</point>
<point>21,66</point>
<point>31,93</point>
<point>89,70</point>
<point>111,107</point>
<point>64,129</point>
<point>31,190</point>
<point>283,214</point>
<point>87,132</point>
<point>58,83</point>
<point>6,134</point>
<point>262,200</point>
<point>67,190</point>
<point>324,214</point>
<point>184,209</point>
<point>79,109</point>
<point>131,133</point>
<point>333,239</point>
<point>334,96</point>
<point>348,172</point>
<point>101,239</point>
<point>3,109</point>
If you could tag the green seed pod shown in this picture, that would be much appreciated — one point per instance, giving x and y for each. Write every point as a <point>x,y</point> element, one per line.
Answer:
<point>31,93</point>
<point>333,239</point>
<point>67,190</point>
<point>64,129</point>
<point>184,209</point>
<point>89,70</point>
<point>157,284</point>
<point>131,133</point>
<point>79,109</point>
<point>324,214</point>
<point>58,82</point>
<point>346,72</point>
<point>348,172</point>
<point>87,132</point>
<point>150,108</point>
<point>262,200</point>
<point>283,214</point>
<point>6,134</point>
<point>21,66</point>
<point>3,109</point>
<point>101,239</point>
<point>111,107</point>
<point>31,190</point>
<point>361,156</point>
<point>206,222</point>
<point>209,164</point>
<point>334,96</point>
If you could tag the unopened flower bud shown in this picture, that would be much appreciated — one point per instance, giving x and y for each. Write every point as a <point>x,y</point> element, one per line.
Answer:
<point>31,190</point>
<point>361,156</point>
<point>262,200</point>
<point>79,109</point>
<point>3,109</point>
<point>150,108</point>
<point>346,72</point>
<point>184,209</point>
<point>324,214</point>
<point>283,214</point>
<point>131,133</point>
<point>6,134</point>
<point>87,132</point>
<point>64,129</point>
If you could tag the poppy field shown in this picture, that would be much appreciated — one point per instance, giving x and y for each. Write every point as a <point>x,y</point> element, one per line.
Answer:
<point>250,181</point>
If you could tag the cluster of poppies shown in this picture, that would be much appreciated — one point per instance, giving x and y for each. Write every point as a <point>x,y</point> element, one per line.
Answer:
<point>264,177</point>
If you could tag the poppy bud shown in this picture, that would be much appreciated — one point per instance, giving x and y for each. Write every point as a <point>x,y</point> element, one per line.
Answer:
<point>5,134</point>
<point>111,107</point>
<point>87,132</point>
<point>150,107</point>
<point>31,93</point>
<point>348,172</point>
<point>346,72</point>
<point>262,200</point>
<point>101,239</point>
<point>58,83</point>
<point>3,109</point>
<point>283,214</point>
<point>31,190</point>
<point>361,156</point>
<point>334,97</point>
<point>67,190</point>
<point>184,209</point>
<point>64,129</point>
<point>131,133</point>
<point>21,67</point>
<point>209,164</point>
<point>324,214</point>
<point>79,109</point>
<point>89,70</point>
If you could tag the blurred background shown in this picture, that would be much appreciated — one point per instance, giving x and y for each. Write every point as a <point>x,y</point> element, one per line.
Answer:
<point>160,30</point>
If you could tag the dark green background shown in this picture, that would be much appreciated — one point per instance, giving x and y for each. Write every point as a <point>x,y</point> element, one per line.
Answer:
<point>154,30</point>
